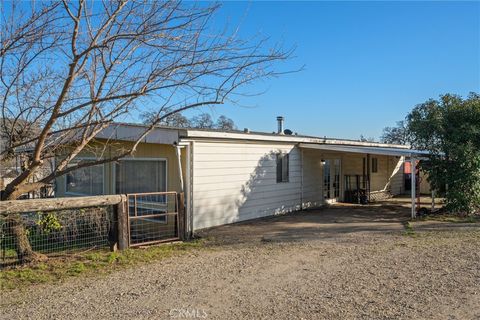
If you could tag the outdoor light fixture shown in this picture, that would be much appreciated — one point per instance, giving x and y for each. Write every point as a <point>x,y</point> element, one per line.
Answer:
<point>322,161</point>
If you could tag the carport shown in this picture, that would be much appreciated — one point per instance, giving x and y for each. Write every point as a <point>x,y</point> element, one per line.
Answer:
<point>410,155</point>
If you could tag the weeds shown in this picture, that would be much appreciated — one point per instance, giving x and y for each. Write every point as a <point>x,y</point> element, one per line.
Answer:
<point>409,231</point>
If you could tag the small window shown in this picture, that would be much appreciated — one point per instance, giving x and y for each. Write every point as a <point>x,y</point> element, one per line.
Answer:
<point>374,165</point>
<point>282,167</point>
<point>85,181</point>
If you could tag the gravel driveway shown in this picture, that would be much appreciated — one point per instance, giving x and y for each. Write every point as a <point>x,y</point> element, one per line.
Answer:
<point>343,263</point>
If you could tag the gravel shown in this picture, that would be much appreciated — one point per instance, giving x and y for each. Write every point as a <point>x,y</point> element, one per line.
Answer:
<point>361,275</point>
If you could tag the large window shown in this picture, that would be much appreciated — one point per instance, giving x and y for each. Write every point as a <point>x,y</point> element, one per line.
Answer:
<point>85,181</point>
<point>143,176</point>
<point>282,167</point>
<point>137,176</point>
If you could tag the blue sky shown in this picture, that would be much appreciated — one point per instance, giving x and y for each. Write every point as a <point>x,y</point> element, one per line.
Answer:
<point>367,64</point>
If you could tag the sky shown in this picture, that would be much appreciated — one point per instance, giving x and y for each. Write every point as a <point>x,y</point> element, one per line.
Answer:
<point>366,64</point>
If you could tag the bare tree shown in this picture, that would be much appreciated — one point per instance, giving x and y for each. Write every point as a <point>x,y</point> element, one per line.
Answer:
<point>366,139</point>
<point>72,69</point>
<point>173,120</point>
<point>202,121</point>
<point>225,123</point>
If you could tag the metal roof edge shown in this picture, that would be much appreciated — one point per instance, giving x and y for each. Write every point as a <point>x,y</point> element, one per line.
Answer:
<point>204,134</point>
<point>195,133</point>
<point>390,150</point>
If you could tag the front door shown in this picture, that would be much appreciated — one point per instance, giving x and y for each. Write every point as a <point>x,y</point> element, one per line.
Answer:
<point>331,180</point>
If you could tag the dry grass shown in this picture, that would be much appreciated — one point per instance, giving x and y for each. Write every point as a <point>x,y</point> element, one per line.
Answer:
<point>87,264</point>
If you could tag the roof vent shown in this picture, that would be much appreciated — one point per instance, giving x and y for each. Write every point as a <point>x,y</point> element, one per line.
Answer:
<point>280,125</point>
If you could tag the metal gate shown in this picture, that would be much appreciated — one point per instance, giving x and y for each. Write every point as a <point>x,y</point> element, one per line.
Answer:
<point>152,218</point>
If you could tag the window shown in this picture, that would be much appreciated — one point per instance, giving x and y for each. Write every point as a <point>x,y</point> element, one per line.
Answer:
<point>85,181</point>
<point>282,167</point>
<point>374,164</point>
<point>137,176</point>
<point>143,176</point>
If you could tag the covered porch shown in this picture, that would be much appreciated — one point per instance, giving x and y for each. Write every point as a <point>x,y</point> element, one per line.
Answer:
<point>357,174</point>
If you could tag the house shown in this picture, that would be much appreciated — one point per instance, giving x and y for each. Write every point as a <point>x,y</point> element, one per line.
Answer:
<point>239,175</point>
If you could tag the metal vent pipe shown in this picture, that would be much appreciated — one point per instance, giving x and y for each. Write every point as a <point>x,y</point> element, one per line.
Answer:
<point>280,124</point>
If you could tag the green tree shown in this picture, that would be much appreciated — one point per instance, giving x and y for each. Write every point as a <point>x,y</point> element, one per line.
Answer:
<point>450,129</point>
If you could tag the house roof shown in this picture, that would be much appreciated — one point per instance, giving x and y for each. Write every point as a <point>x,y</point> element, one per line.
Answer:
<point>252,135</point>
<point>170,135</point>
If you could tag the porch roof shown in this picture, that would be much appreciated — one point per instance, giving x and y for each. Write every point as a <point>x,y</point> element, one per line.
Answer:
<point>387,151</point>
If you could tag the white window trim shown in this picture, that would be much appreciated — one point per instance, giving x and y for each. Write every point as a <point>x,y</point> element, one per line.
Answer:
<point>84,194</point>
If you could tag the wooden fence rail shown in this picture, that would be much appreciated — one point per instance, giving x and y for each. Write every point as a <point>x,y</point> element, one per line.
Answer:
<point>51,204</point>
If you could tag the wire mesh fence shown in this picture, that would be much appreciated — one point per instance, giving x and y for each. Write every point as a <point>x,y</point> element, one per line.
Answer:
<point>66,229</point>
<point>153,217</point>
<point>54,233</point>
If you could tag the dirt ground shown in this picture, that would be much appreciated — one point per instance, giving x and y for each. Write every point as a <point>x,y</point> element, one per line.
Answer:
<point>342,262</point>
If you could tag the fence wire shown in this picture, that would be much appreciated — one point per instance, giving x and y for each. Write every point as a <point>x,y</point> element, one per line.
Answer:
<point>153,217</point>
<point>54,233</point>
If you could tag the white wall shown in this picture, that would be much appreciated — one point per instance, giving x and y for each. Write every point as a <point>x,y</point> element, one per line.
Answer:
<point>312,178</point>
<point>237,181</point>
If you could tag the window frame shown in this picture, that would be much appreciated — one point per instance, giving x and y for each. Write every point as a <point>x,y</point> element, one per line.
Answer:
<point>78,159</point>
<point>282,156</point>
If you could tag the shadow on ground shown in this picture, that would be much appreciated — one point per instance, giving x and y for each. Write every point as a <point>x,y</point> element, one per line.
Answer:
<point>329,223</point>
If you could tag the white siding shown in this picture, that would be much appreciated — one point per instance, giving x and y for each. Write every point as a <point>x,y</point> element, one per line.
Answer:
<point>312,179</point>
<point>237,181</point>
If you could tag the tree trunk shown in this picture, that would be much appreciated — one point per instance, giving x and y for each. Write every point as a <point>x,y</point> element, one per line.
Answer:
<point>15,229</point>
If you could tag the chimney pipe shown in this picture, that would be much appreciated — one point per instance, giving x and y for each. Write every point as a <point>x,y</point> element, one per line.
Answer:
<point>280,124</point>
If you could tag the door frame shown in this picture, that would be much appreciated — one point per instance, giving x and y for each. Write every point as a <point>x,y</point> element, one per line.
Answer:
<point>332,198</point>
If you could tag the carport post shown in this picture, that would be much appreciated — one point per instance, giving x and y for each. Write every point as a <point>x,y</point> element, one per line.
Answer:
<point>413,170</point>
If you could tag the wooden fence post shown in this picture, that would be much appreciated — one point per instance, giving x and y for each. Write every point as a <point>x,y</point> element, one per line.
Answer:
<point>181,215</point>
<point>122,217</point>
